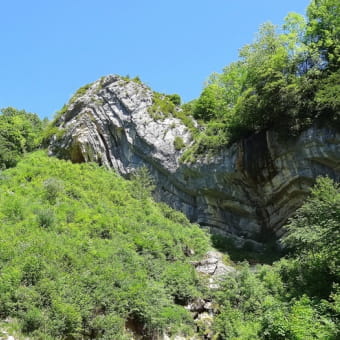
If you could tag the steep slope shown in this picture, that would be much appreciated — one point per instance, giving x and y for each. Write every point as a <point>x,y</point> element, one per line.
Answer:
<point>247,190</point>
<point>82,258</point>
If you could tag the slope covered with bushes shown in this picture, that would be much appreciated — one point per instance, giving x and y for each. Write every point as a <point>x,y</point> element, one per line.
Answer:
<point>83,252</point>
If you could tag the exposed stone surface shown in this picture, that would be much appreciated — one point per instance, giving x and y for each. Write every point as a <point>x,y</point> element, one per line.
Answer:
<point>248,189</point>
<point>213,266</point>
<point>204,322</point>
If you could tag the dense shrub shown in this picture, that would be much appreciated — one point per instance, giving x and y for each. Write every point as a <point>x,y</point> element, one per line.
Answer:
<point>83,251</point>
<point>179,143</point>
<point>20,132</point>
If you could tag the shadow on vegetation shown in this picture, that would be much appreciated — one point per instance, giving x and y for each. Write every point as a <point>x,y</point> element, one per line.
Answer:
<point>270,253</point>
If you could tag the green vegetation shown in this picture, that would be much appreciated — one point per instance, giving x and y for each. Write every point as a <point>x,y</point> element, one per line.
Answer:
<point>247,252</point>
<point>51,129</point>
<point>136,79</point>
<point>162,106</point>
<point>175,99</point>
<point>20,132</point>
<point>298,297</point>
<point>179,143</point>
<point>80,92</point>
<point>143,183</point>
<point>287,80</point>
<point>87,255</point>
<point>83,252</point>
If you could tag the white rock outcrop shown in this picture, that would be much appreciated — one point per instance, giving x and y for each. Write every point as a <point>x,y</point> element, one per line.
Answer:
<point>248,190</point>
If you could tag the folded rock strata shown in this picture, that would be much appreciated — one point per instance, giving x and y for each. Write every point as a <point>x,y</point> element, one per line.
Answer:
<point>247,190</point>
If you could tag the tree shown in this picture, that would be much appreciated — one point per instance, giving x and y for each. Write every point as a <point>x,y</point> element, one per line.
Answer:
<point>314,231</point>
<point>210,104</point>
<point>142,183</point>
<point>323,31</point>
<point>20,132</point>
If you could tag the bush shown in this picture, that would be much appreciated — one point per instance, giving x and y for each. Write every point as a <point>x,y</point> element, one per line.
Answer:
<point>14,209</point>
<point>45,217</point>
<point>181,280</point>
<point>107,327</point>
<point>106,259</point>
<point>31,271</point>
<point>53,187</point>
<point>175,99</point>
<point>179,143</point>
<point>20,132</point>
<point>162,106</point>
<point>142,183</point>
<point>32,320</point>
<point>66,319</point>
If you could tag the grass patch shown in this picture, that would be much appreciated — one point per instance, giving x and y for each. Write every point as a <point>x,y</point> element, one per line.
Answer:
<point>179,143</point>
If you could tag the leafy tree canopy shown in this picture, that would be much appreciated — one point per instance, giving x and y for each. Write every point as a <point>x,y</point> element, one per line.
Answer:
<point>20,132</point>
<point>287,79</point>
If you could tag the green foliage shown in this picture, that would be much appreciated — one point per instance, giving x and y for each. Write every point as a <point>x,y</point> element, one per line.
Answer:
<point>162,106</point>
<point>83,251</point>
<point>80,92</point>
<point>328,100</point>
<point>66,319</point>
<point>179,143</point>
<point>314,231</point>
<point>303,315</point>
<point>142,183</point>
<point>165,105</point>
<point>52,130</point>
<point>32,320</point>
<point>175,99</point>
<point>323,31</point>
<point>253,305</point>
<point>313,238</point>
<point>286,80</point>
<point>284,300</point>
<point>210,103</point>
<point>53,187</point>
<point>45,217</point>
<point>127,78</point>
<point>20,132</point>
<point>182,282</point>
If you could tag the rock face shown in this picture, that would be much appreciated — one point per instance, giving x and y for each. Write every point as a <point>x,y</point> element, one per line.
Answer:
<point>247,190</point>
<point>214,268</point>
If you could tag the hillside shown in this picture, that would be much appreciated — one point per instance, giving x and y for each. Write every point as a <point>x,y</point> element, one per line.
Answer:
<point>83,251</point>
<point>245,191</point>
<point>86,254</point>
<point>132,216</point>
<point>242,157</point>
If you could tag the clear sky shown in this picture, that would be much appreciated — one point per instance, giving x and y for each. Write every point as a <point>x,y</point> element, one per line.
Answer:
<point>49,48</point>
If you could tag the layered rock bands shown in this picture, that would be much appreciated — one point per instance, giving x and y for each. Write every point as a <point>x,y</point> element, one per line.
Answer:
<point>247,190</point>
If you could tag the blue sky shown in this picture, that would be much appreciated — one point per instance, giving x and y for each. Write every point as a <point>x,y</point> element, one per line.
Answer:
<point>49,48</point>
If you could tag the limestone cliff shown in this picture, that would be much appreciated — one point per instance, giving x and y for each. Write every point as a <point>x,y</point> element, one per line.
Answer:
<point>248,189</point>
